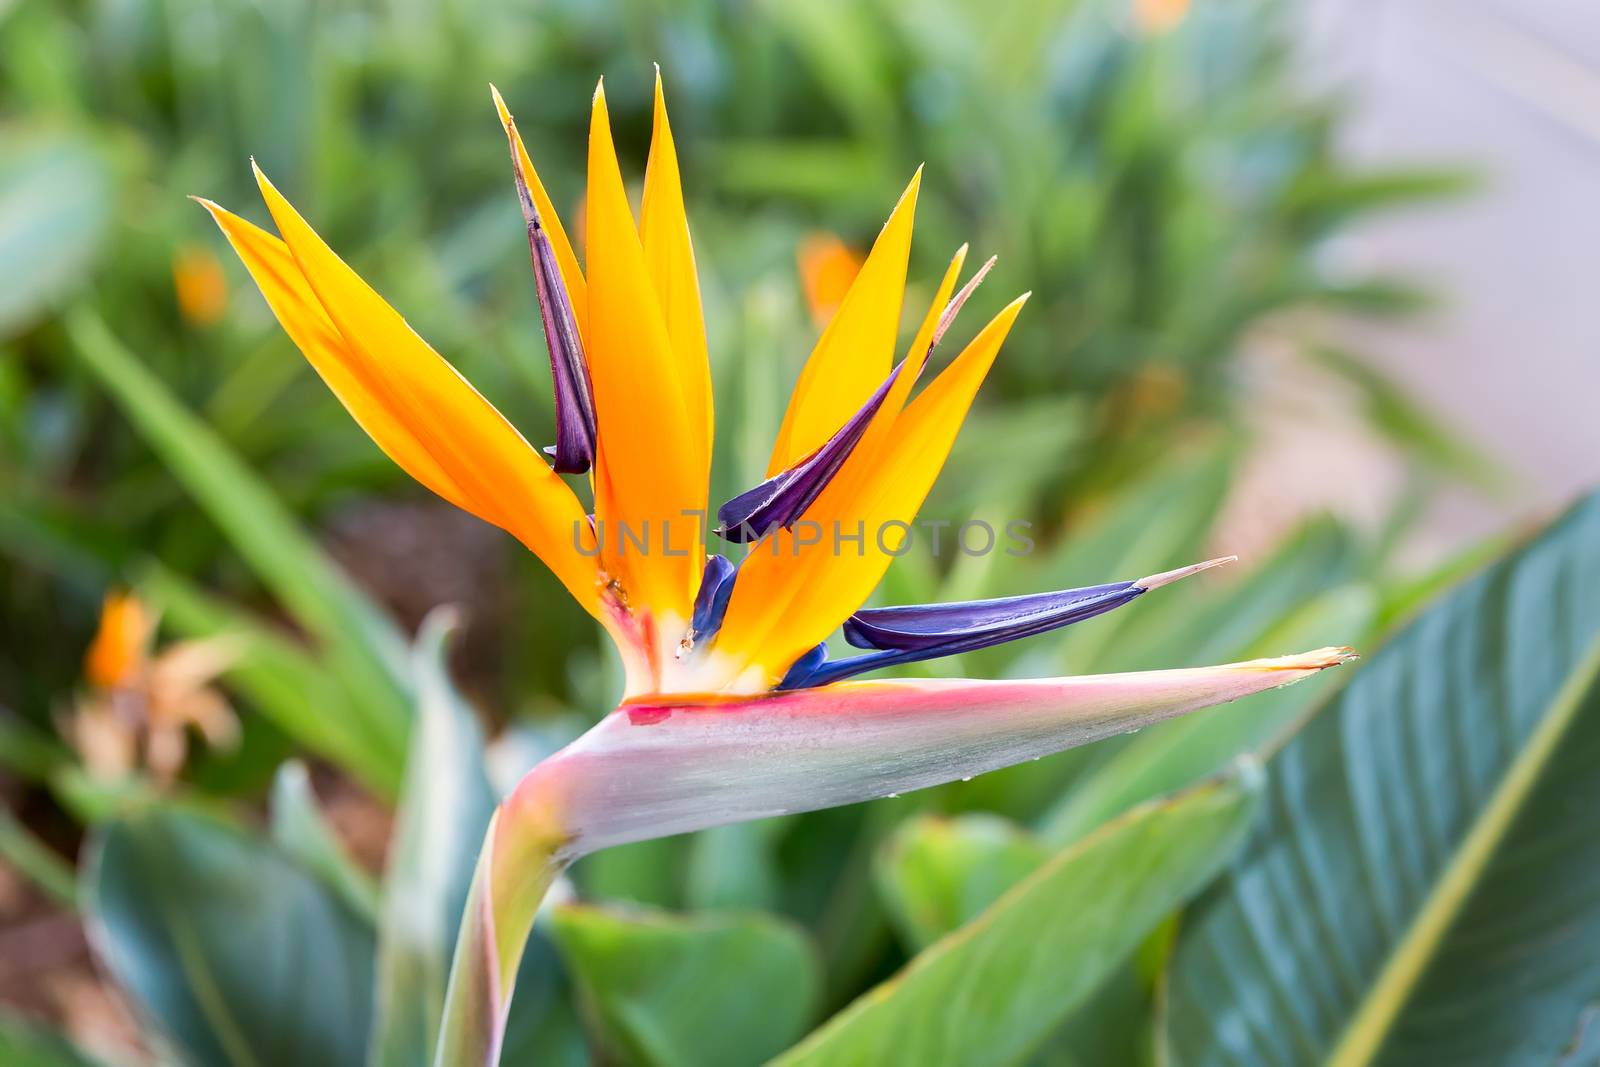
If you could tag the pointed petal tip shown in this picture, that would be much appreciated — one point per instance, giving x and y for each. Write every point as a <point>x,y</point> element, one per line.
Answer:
<point>1319,659</point>
<point>1156,581</point>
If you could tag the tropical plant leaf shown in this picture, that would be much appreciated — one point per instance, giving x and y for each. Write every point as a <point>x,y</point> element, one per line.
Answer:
<point>991,992</point>
<point>298,827</point>
<point>708,991</point>
<point>444,811</point>
<point>242,957</point>
<point>936,874</point>
<point>55,206</point>
<point>1426,888</point>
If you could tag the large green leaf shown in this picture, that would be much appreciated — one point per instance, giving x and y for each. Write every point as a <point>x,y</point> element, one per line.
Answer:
<point>935,874</point>
<point>241,956</point>
<point>718,990</point>
<point>991,992</point>
<point>444,811</point>
<point>55,210</point>
<point>1427,886</point>
<point>301,830</point>
<point>360,644</point>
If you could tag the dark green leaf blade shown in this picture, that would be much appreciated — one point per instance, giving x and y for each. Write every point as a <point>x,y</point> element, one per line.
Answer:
<point>991,992</point>
<point>1424,889</point>
<point>242,957</point>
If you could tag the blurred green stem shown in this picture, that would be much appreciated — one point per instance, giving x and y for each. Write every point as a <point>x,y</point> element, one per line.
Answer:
<point>35,861</point>
<point>519,861</point>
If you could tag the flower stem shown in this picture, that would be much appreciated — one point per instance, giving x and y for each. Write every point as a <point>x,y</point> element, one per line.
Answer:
<point>519,861</point>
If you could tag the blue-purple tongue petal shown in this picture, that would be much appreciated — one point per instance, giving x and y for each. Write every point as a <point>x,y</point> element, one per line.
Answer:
<point>928,631</point>
<point>711,603</point>
<point>573,452</point>
<point>979,623</point>
<point>783,498</point>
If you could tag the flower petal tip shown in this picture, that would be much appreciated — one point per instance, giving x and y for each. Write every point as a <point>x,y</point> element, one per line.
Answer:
<point>1156,581</point>
<point>1316,660</point>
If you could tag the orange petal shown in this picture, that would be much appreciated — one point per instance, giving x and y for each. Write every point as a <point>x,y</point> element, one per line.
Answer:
<point>856,350</point>
<point>648,469</point>
<point>571,273</point>
<point>300,313</point>
<point>121,645</point>
<point>791,595</point>
<point>415,404</point>
<point>669,258</point>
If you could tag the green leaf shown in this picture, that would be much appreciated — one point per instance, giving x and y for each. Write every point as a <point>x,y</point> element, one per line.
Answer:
<point>300,830</point>
<point>716,990</point>
<point>935,874</point>
<point>242,957</point>
<point>55,211</point>
<point>359,642</point>
<point>439,829</point>
<point>23,1044</point>
<point>992,991</point>
<point>1427,887</point>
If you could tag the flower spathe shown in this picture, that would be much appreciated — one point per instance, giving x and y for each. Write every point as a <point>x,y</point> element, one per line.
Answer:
<point>731,710</point>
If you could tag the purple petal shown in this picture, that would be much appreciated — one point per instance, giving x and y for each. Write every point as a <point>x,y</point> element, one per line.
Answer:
<point>573,452</point>
<point>711,603</point>
<point>977,623</point>
<point>928,631</point>
<point>783,498</point>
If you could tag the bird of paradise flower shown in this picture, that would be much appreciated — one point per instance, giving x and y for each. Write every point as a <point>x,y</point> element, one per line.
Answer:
<point>733,709</point>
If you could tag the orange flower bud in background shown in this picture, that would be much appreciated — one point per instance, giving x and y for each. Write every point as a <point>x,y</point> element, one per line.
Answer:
<point>1159,16</point>
<point>827,267</point>
<point>198,282</point>
<point>121,645</point>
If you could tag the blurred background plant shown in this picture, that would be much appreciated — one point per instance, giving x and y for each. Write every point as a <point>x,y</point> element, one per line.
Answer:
<point>1155,175</point>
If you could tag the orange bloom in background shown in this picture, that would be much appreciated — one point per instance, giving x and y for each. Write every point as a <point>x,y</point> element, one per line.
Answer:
<point>828,267</point>
<point>121,646</point>
<point>1159,16</point>
<point>199,284</point>
<point>140,706</point>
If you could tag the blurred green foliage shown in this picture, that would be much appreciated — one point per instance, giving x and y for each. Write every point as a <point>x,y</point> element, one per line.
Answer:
<point>1161,194</point>
<point>1164,196</point>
